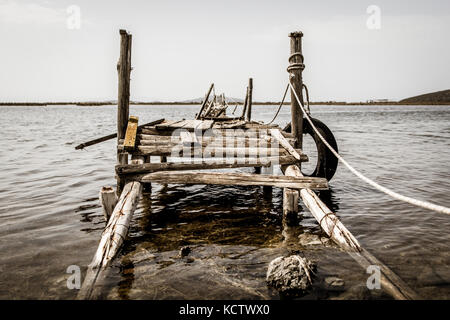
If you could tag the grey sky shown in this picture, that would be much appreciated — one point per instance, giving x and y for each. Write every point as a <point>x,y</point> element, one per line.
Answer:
<point>180,47</point>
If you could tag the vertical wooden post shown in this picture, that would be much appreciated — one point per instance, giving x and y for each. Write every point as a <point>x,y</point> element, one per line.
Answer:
<point>123,99</point>
<point>290,206</point>
<point>244,107</point>
<point>108,201</point>
<point>295,69</point>
<point>248,115</point>
<point>267,190</point>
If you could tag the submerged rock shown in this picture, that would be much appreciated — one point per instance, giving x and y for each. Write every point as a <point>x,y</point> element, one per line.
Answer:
<point>184,251</point>
<point>334,283</point>
<point>292,276</point>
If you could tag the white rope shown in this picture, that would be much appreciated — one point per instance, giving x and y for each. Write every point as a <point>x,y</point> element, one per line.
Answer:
<point>395,195</point>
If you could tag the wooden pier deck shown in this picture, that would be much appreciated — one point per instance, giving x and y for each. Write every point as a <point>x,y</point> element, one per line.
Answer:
<point>191,150</point>
<point>208,144</point>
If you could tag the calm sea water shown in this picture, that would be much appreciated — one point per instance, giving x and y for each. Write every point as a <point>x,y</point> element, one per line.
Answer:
<point>50,216</point>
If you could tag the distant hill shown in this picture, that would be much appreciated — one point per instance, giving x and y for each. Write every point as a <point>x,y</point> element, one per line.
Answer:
<point>439,97</point>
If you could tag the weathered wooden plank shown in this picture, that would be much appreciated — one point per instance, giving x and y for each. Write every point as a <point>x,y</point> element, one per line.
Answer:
<point>181,124</point>
<point>189,138</point>
<point>112,136</point>
<point>204,165</point>
<point>285,143</point>
<point>204,125</point>
<point>166,124</point>
<point>205,101</point>
<point>207,138</point>
<point>130,135</point>
<point>243,179</point>
<point>253,131</point>
<point>212,151</point>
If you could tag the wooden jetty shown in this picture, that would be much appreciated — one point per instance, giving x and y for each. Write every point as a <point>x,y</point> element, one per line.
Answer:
<point>191,149</point>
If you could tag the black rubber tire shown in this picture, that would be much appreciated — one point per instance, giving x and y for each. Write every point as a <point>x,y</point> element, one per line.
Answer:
<point>326,161</point>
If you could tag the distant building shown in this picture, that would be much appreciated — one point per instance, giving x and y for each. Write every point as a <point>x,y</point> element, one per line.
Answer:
<point>377,100</point>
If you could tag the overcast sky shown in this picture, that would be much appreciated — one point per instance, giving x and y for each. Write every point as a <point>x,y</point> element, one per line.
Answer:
<point>180,47</point>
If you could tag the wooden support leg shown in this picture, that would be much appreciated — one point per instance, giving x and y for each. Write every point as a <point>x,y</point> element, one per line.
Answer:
<point>122,158</point>
<point>147,187</point>
<point>290,206</point>
<point>267,190</point>
<point>108,200</point>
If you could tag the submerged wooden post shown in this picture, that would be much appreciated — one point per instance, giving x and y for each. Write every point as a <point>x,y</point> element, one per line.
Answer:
<point>123,99</point>
<point>248,115</point>
<point>108,200</point>
<point>295,69</point>
<point>290,206</point>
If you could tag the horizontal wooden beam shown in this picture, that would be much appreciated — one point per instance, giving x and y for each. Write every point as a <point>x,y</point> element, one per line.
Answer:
<point>213,151</point>
<point>149,138</point>
<point>236,132</point>
<point>204,165</point>
<point>242,179</point>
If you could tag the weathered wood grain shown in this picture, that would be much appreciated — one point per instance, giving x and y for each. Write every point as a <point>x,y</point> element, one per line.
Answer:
<point>212,151</point>
<point>111,241</point>
<point>130,135</point>
<point>295,77</point>
<point>202,165</point>
<point>285,143</point>
<point>108,200</point>
<point>248,115</point>
<point>205,101</point>
<point>243,179</point>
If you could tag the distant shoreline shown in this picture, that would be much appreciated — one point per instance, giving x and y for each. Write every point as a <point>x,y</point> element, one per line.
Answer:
<point>90,104</point>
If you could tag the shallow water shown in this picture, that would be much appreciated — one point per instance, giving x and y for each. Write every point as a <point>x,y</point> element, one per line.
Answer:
<point>50,216</point>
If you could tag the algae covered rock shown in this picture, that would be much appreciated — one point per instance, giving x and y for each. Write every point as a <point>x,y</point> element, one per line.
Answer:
<point>292,276</point>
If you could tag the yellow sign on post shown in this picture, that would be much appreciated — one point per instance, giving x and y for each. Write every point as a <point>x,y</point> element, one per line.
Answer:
<point>130,135</point>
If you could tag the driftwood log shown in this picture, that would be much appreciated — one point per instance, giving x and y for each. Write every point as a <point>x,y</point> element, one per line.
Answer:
<point>111,241</point>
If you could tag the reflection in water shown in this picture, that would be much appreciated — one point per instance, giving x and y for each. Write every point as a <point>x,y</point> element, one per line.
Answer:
<point>330,198</point>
